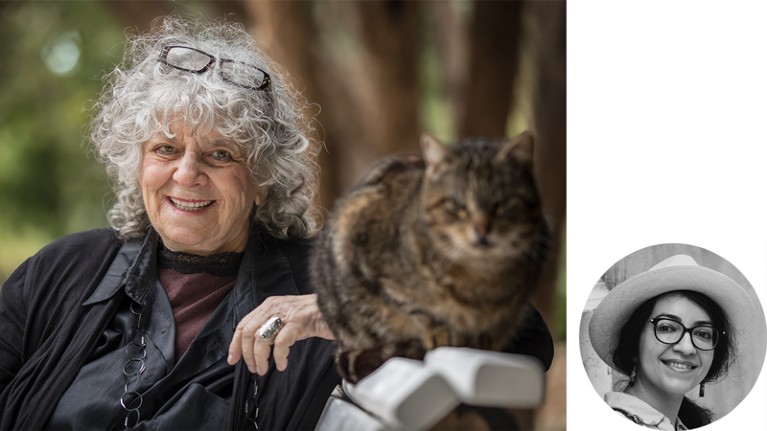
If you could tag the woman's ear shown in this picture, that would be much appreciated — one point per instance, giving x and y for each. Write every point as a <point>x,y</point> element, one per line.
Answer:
<point>260,195</point>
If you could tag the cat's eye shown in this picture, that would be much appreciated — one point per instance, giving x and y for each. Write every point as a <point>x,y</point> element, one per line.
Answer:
<point>457,208</point>
<point>506,209</point>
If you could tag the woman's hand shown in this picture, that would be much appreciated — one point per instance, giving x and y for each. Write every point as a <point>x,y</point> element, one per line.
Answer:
<point>301,319</point>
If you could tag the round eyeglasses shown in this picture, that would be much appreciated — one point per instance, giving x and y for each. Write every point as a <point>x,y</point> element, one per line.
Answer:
<point>669,331</point>
<point>234,72</point>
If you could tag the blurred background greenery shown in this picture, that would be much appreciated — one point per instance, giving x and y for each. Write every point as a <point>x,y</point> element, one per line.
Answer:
<point>53,54</point>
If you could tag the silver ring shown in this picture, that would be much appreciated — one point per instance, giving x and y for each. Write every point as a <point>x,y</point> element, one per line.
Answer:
<point>270,328</point>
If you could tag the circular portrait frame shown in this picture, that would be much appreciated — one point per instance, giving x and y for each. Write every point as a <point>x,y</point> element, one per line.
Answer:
<point>722,395</point>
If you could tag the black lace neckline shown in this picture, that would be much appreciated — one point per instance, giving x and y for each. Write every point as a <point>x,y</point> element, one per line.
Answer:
<point>222,264</point>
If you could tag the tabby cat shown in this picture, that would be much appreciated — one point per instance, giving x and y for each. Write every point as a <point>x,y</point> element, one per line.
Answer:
<point>430,251</point>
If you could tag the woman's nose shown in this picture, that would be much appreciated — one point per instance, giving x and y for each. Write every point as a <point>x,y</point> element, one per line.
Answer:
<point>685,345</point>
<point>189,172</point>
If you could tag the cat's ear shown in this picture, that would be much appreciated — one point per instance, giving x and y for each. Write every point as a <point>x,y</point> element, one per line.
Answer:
<point>434,151</point>
<point>520,148</point>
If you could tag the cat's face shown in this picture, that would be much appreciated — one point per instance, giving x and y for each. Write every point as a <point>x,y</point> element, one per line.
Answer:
<point>481,201</point>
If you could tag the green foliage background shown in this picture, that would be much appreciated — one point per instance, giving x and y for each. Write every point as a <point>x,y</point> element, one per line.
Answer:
<point>50,184</point>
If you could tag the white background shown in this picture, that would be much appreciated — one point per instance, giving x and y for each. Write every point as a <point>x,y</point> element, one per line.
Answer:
<point>667,130</point>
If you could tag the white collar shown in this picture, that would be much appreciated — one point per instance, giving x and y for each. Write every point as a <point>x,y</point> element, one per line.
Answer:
<point>641,412</point>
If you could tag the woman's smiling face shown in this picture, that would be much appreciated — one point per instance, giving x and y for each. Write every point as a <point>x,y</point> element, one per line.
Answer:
<point>673,368</point>
<point>197,191</point>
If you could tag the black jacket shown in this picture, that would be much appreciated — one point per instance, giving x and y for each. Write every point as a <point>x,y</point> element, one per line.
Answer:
<point>51,319</point>
<point>55,306</point>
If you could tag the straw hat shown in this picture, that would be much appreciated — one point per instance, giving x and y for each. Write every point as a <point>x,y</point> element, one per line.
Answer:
<point>679,272</point>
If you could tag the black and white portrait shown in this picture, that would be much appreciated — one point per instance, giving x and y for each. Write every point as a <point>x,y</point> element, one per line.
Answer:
<point>673,337</point>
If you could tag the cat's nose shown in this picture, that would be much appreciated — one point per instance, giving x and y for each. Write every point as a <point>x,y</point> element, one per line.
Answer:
<point>481,242</point>
<point>479,237</point>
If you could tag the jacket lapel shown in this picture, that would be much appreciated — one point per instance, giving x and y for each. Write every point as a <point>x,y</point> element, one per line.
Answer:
<point>134,267</point>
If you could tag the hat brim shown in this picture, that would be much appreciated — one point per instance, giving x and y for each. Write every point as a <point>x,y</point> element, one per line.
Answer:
<point>617,306</point>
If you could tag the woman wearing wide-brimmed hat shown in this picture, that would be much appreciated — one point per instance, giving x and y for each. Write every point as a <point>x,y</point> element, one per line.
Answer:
<point>672,328</point>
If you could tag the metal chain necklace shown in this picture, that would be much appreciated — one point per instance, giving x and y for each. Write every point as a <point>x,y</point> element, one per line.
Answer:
<point>251,404</point>
<point>131,400</point>
<point>135,365</point>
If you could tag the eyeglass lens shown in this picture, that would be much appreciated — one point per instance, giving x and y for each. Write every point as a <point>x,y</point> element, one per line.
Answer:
<point>243,74</point>
<point>188,59</point>
<point>235,72</point>
<point>669,331</point>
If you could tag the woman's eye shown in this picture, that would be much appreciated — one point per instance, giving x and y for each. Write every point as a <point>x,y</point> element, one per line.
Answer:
<point>165,150</point>
<point>704,334</point>
<point>666,328</point>
<point>221,156</point>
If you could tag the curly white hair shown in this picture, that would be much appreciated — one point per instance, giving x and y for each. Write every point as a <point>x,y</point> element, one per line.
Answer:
<point>143,96</point>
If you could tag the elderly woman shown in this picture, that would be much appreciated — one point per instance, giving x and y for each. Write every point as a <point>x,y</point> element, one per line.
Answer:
<point>671,329</point>
<point>131,327</point>
<point>205,267</point>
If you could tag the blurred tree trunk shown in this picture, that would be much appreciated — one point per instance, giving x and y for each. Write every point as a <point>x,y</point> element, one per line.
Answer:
<point>294,47</point>
<point>494,41</point>
<point>548,39</point>
<point>452,47</point>
<point>369,102</point>
<point>389,31</point>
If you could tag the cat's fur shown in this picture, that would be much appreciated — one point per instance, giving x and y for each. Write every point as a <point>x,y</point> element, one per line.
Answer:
<point>443,249</point>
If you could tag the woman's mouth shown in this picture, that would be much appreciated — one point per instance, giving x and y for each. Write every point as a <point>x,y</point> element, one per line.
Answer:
<point>681,366</point>
<point>189,205</point>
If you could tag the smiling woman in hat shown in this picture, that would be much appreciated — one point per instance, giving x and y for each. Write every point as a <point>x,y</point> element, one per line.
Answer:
<point>672,329</point>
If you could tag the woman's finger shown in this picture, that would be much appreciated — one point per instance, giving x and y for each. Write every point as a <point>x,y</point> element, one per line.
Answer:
<point>235,347</point>
<point>243,340</point>
<point>282,344</point>
<point>261,349</point>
